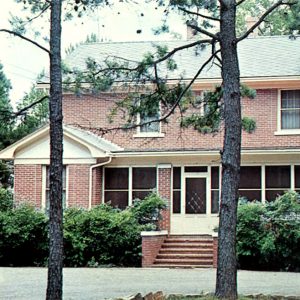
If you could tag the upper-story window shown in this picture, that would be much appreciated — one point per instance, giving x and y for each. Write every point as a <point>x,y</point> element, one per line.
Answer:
<point>145,118</point>
<point>148,128</point>
<point>290,109</point>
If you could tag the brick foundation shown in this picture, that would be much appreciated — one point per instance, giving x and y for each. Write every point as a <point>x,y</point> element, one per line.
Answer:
<point>151,243</point>
<point>215,247</point>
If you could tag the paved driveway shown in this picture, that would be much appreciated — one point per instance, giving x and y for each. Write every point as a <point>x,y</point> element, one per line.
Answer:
<point>88,284</point>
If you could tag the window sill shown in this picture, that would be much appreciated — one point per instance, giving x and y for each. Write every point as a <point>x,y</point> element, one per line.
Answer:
<point>149,135</point>
<point>288,132</point>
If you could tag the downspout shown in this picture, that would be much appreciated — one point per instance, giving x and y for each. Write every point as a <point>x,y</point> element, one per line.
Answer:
<point>91,178</point>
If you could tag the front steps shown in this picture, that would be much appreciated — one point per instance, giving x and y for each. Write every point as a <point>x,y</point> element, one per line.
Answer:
<point>185,252</point>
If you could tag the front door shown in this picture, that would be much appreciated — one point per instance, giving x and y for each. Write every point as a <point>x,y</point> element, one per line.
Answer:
<point>192,215</point>
<point>195,195</point>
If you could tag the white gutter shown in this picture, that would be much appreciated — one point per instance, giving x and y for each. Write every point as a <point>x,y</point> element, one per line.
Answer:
<point>91,178</point>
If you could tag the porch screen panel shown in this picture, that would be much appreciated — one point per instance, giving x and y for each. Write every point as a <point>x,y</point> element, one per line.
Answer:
<point>176,190</point>
<point>116,187</point>
<point>143,181</point>
<point>215,189</point>
<point>250,183</point>
<point>278,180</point>
<point>297,179</point>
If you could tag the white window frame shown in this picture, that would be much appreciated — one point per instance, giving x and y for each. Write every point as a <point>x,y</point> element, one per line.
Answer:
<point>152,134</point>
<point>44,180</point>
<point>281,131</point>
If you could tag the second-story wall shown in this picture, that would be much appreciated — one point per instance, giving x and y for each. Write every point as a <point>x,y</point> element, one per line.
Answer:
<point>91,112</point>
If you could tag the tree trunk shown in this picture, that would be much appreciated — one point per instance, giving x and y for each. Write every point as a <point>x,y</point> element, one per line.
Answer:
<point>226,286</point>
<point>55,263</point>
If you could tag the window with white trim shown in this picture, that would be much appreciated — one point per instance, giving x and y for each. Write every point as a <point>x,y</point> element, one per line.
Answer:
<point>123,185</point>
<point>145,118</point>
<point>290,109</point>
<point>47,188</point>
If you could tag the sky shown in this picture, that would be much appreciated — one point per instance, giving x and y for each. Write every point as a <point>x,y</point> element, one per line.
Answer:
<point>23,61</point>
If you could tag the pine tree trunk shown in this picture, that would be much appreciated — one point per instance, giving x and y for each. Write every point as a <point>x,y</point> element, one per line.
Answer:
<point>55,263</point>
<point>226,286</point>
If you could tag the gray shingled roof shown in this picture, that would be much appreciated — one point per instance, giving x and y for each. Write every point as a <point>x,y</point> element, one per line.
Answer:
<point>274,56</point>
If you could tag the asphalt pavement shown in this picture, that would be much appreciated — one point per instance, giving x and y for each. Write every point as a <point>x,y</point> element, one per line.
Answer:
<point>107,283</point>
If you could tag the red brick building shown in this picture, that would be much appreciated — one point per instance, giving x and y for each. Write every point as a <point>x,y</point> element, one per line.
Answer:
<point>182,165</point>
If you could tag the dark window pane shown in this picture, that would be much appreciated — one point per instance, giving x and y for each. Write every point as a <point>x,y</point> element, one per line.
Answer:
<point>278,177</point>
<point>116,178</point>
<point>176,178</point>
<point>297,176</point>
<point>215,202</point>
<point>214,177</point>
<point>140,194</point>
<point>176,202</point>
<point>272,195</point>
<point>195,169</point>
<point>117,199</point>
<point>250,194</point>
<point>250,177</point>
<point>195,196</point>
<point>143,178</point>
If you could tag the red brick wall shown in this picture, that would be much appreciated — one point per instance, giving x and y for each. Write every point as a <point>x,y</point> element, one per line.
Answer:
<point>215,252</point>
<point>150,248</point>
<point>89,111</point>
<point>28,184</point>
<point>164,190</point>
<point>78,193</point>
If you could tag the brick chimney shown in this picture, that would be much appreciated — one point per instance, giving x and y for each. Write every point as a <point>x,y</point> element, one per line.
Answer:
<point>250,21</point>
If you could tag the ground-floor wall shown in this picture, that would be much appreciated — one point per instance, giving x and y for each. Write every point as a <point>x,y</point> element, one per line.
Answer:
<point>191,185</point>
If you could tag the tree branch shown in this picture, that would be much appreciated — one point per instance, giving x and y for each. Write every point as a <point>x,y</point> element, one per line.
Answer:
<point>240,2</point>
<point>198,14</point>
<point>261,19</point>
<point>164,117</point>
<point>197,28</point>
<point>26,39</point>
<point>26,108</point>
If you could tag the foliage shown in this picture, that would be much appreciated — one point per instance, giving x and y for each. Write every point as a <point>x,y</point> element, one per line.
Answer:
<point>101,236</point>
<point>34,117</point>
<point>147,212</point>
<point>268,236</point>
<point>285,20</point>
<point>23,237</point>
<point>97,237</point>
<point>6,200</point>
<point>248,124</point>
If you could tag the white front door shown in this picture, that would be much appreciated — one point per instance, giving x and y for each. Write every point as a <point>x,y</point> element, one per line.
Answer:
<point>194,216</point>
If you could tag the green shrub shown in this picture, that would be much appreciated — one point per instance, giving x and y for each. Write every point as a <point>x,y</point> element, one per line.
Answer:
<point>148,211</point>
<point>268,236</point>
<point>23,237</point>
<point>6,200</point>
<point>101,236</point>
